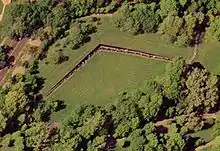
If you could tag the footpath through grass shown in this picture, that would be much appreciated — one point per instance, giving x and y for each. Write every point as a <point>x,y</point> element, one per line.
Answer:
<point>104,76</point>
<point>107,34</point>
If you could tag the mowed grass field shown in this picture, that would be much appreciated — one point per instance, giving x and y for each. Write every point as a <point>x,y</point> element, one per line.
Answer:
<point>107,34</point>
<point>103,77</point>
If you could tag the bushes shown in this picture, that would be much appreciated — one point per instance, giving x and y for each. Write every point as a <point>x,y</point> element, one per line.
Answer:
<point>75,37</point>
<point>56,56</point>
<point>136,19</point>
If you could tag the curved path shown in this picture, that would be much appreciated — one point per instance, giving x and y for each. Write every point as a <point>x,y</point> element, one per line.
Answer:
<point>104,48</point>
<point>5,2</point>
<point>204,116</point>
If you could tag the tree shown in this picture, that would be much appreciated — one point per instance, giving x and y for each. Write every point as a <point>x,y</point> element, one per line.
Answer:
<point>183,2</point>
<point>171,27</point>
<point>213,6</point>
<point>150,106</point>
<point>136,19</point>
<point>175,142</point>
<point>3,56</point>
<point>137,141</point>
<point>213,30</point>
<point>56,56</point>
<point>15,100</point>
<point>60,16</point>
<point>201,91</point>
<point>167,6</point>
<point>20,19</point>
<point>36,135</point>
<point>172,78</point>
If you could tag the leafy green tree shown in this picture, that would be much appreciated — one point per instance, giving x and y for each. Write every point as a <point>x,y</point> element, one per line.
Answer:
<point>56,56</point>
<point>136,19</point>
<point>213,32</point>
<point>171,27</point>
<point>172,78</point>
<point>36,135</point>
<point>167,6</point>
<point>3,58</point>
<point>60,16</point>
<point>137,141</point>
<point>201,91</point>
<point>150,106</point>
<point>97,144</point>
<point>175,142</point>
<point>183,2</point>
<point>213,6</point>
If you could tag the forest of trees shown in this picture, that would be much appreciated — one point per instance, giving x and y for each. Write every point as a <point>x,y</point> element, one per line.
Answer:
<point>130,122</point>
<point>181,22</point>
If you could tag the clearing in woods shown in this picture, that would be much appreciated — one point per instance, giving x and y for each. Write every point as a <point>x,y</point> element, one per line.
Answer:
<point>107,34</point>
<point>103,77</point>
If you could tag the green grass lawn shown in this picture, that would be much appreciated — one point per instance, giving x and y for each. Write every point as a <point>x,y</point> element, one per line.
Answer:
<point>104,76</point>
<point>208,55</point>
<point>108,34</point>
<point>205,134</point>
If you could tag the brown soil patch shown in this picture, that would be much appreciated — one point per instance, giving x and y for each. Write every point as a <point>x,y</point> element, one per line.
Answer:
<point>6,2</point>
<point>26,57</point>
<point>18,70</point>
<point>36,42</point>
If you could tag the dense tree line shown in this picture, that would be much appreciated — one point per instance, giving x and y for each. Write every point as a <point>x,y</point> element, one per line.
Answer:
<point>4,58</point>
<point>29,18</point>
<point>181,22</point>
<point>136,19</point>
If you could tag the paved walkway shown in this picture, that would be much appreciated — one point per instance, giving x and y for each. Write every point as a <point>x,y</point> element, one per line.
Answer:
<point>14,53</point>
<point>5,2</point>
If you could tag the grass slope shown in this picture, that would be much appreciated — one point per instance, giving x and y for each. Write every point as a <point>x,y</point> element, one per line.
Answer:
<point>104,77</point>
<point>205,134</point>
<point>209,55</point>
<point>108,34</point>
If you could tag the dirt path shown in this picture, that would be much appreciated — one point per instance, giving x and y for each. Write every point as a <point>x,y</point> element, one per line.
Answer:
<point>166,121</point>
<point>97,15</point>
<point>5,2</point>
<point>195,52</point>
<point>204,146</point>
<point>2,13</point>
<point>15,52</point>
